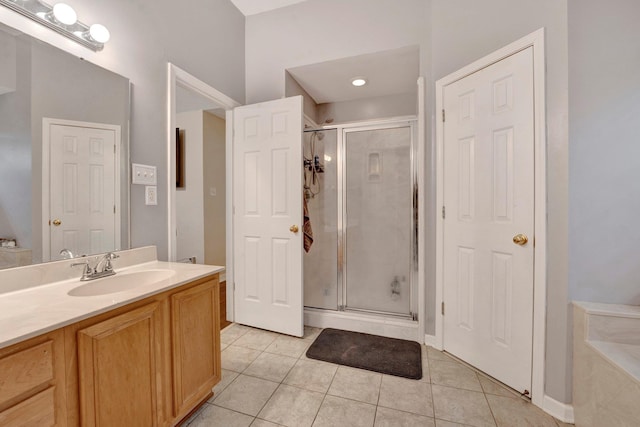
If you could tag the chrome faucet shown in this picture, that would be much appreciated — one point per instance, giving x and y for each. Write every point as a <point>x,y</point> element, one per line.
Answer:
<point>66,254</point>
<point>95,273</point>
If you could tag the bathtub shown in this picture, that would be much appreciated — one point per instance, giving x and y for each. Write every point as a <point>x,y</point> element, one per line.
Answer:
<point>606,365</point>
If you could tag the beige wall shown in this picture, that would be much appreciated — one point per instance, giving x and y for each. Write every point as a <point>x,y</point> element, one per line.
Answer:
<point>189,203</point>
<point>214,178</point>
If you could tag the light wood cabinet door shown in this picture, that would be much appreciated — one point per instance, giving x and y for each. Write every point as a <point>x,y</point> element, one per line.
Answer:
<point>32,382</point>
<point>195,345</point>
<point>120,363</point>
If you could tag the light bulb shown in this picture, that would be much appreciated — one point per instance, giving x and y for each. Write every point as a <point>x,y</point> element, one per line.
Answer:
<point>65,14</point>
<point>359,81</point>
<point>99,33</point>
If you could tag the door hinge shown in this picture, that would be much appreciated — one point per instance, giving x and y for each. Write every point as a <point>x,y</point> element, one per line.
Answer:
<point>233,286</point>
<point>443,115</point>
<point>443,212</point>
<point>442,308</point>
<point>414,316</point>
<point>114,208</point>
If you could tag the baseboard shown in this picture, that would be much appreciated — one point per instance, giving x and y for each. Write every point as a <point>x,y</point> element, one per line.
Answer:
<point>561,411</point>
<point>430,340</point>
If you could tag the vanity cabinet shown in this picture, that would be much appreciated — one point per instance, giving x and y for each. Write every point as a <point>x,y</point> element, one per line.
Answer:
<point>148,363</point>
<point>32,382</point>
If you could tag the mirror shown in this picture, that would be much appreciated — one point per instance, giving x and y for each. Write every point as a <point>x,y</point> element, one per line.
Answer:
<point>64,153</point>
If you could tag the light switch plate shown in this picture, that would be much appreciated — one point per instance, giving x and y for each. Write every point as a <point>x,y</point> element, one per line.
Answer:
<point>151,195</point>
<point>143,174</point>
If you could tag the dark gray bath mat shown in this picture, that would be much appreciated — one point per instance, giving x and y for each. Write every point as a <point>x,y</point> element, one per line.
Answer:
<point>379,354</point>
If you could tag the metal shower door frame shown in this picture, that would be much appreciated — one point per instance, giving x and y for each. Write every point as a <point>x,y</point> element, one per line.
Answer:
<point>341,147</point>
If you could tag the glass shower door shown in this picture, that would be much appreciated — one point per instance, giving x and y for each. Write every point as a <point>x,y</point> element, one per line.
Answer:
<point>378,220</point>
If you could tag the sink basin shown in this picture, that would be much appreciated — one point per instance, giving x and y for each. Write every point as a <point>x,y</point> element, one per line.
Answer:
<point>120,282</point>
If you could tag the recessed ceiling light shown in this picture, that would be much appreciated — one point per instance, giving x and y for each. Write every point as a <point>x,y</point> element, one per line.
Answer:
<point>359,81</point>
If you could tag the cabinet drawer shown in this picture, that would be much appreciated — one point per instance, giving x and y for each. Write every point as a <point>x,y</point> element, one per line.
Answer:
<point>38,411</point>
<point>26,370</point>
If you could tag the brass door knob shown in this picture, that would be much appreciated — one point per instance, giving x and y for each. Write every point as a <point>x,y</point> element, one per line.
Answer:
<point>293,229</point>
<point>56,222</point>
<point>520,239</point>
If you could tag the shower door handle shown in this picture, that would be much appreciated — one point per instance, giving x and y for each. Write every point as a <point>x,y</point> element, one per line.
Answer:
<point>293,229</point>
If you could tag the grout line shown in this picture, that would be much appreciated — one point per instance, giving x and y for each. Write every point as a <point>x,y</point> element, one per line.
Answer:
<point>487,400</point>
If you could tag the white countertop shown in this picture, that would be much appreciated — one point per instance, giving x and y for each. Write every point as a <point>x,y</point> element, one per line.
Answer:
<point>32,311</point>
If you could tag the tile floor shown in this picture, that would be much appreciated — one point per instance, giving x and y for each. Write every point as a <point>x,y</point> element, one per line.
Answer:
<point>268,381</point>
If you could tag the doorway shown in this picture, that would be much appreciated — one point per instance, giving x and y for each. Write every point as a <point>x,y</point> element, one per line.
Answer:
<point>199,208</point>
<point>490,266</point>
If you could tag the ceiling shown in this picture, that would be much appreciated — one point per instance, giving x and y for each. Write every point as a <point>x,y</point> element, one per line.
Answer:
<point>389,72</point>
<point>253,7</point>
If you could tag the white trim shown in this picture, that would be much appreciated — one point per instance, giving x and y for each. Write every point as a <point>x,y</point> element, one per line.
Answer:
<point>537,41</point>
<point>47,122</point>
<point>430,340</point>
<point>309,122</point>
<point>559,410</point>
<point>229,216</point>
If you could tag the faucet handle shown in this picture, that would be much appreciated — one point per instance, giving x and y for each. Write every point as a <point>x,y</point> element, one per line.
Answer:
<point>87,267</point>
<point>108,257</point>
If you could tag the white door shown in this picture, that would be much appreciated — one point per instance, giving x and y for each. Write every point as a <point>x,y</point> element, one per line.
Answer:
<point>489,209</point>
<point>82,177</point>
<point>267,203</point>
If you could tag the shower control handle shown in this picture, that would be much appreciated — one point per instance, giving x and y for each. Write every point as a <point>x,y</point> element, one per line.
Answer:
<point>293,229</point>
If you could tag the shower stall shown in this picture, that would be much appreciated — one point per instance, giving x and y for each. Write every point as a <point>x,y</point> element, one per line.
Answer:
<point>360,188</point>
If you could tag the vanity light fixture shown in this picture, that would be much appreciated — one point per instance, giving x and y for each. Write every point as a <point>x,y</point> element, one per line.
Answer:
<point>358,81</point>
<point>99,33</point>
<point>64,14</point>
<point>62,19</point>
